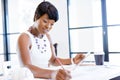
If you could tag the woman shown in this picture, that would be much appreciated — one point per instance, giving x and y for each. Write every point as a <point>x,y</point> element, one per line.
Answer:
<point>35,45</point>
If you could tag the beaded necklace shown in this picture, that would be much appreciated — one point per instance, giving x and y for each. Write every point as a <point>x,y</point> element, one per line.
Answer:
<point>41,47</point>
<point>39,40</point>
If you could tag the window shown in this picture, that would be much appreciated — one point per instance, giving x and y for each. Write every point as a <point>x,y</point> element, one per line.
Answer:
<point>20,14</point>
<point>22,19</point>
<point>88,39</point>
<point>113,18</point>
<point>94,26</point>
<point>1,35</point>
<point>85,25</point>
<point>84,13</point>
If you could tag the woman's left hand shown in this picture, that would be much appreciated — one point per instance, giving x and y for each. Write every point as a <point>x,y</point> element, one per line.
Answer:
<point>78,58</point>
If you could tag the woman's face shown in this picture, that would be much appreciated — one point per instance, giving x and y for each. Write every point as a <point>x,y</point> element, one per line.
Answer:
<point>44,24</point>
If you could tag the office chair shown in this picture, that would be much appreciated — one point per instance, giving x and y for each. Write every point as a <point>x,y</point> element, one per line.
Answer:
<point>55,46</point>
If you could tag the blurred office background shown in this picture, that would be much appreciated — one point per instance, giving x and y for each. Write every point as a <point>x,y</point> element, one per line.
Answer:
<point>84,25</point>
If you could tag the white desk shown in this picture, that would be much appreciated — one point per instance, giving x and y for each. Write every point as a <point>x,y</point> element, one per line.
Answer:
<point>94,72</point>
<point>89,72</point>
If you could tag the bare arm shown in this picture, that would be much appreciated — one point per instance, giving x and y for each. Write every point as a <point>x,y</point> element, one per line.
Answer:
<point>67,61</point>
<point>53,60</point>
<point>24,44</point>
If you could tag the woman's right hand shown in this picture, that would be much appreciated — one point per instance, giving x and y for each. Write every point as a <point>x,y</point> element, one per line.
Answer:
<point>61,75</point>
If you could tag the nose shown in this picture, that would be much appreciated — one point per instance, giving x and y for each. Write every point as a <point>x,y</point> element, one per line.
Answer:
<point>48,26</point>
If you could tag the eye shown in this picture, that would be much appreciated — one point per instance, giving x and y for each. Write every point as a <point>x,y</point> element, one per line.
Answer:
<point>45,21</point>
<point>52,24</point>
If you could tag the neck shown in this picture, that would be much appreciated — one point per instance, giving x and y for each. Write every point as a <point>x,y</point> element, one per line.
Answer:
<point>35,32</point>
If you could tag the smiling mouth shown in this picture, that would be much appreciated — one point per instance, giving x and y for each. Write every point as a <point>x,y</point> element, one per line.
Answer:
<point>46,31</point>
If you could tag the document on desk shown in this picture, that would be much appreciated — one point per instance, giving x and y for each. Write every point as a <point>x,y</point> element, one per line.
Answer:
<point>92,72</point>
<point>95,73</point>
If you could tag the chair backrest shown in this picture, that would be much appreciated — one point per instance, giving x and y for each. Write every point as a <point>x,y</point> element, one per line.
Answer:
<point>55,46</point>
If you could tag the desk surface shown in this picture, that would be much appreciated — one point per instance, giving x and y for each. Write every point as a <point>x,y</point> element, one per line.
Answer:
<point>93,72</point>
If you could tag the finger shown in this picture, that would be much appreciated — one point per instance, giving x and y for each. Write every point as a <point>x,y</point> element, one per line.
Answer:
<point>61,74</point>
<point>66,74</point>
<point>81,56</point>
<point>59,78</point>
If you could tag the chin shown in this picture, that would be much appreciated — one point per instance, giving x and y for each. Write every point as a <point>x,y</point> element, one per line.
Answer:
<point>45,32</point>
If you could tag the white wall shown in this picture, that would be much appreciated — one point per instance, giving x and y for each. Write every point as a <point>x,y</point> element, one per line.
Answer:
<point>59,33</point>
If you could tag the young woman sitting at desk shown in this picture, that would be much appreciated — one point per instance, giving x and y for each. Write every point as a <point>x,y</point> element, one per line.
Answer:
<point>35,45</point>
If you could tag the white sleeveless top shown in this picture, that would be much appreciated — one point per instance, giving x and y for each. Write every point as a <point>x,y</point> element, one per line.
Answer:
<point>40,52</point>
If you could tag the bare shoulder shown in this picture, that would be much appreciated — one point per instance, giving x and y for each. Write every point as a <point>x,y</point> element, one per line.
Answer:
<point>23,38</point>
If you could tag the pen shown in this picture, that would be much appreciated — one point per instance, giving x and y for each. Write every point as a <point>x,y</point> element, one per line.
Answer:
<point>68,76</point>
<point>82,60</point>
<point>60,63</point>
<point>53,51</point>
